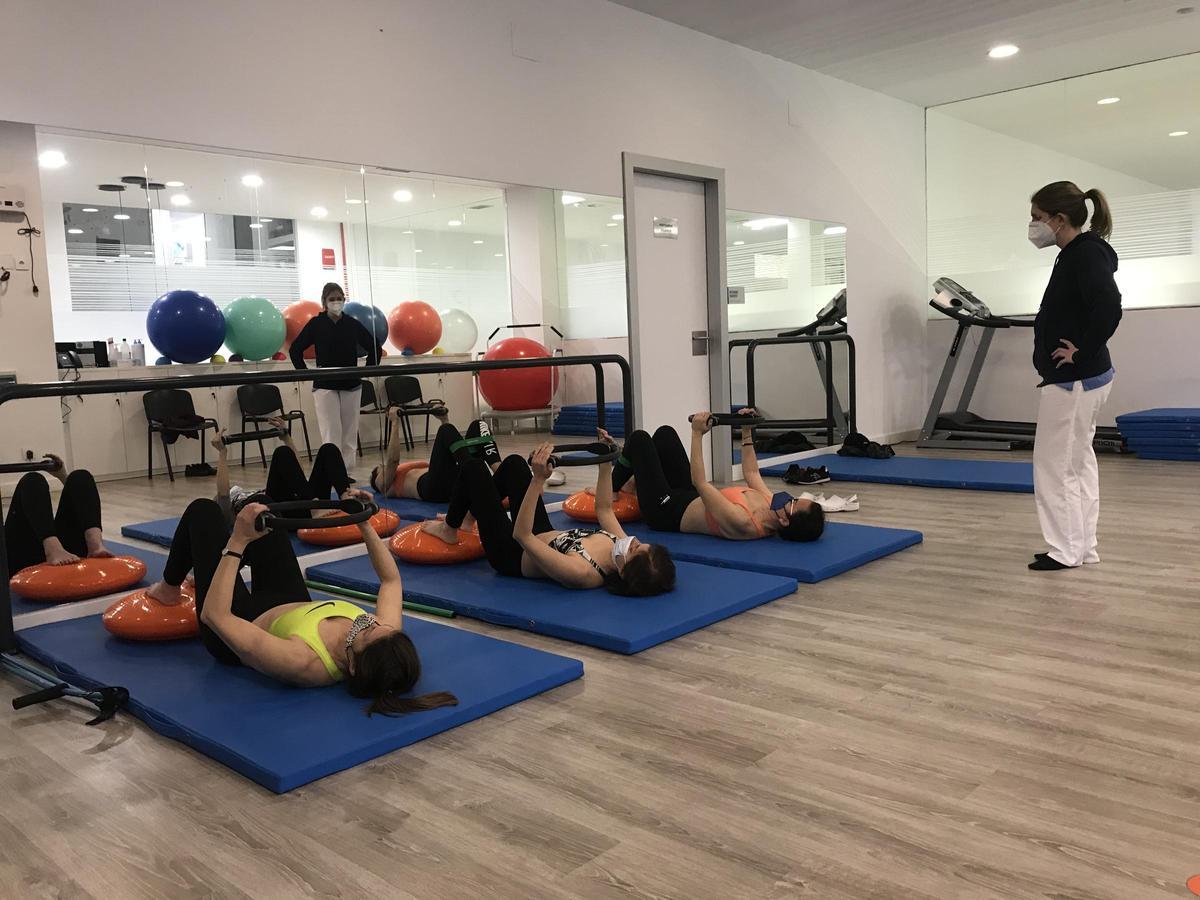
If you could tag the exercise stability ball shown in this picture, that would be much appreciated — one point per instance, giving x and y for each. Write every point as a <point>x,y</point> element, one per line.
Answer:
<point>254,328</point>
<point>371,318</point>
<point>414,327</point>
<point>459,332</point>
<point>517,388</point>
<point>185,326</point>
<point>295,317</point>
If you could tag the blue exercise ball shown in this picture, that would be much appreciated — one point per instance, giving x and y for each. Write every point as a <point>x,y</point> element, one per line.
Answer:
<point>185,326</point>
<point>371,317</point>
<point>162,361</point>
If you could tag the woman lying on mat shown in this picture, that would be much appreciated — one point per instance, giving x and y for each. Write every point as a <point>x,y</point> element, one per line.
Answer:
<point>285,478</point>
<point>276,628</point>
<point>34,533</point>
<point>675,494</point>
<point>528,545</point>
<point>432,481</point>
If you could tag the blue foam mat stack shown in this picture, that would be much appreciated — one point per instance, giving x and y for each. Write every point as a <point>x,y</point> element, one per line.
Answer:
<point>1163,433</point>
<point>581,419</point>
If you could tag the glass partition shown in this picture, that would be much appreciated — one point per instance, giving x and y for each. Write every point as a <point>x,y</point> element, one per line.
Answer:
<point>591,249</point>
<point>1130,132</point>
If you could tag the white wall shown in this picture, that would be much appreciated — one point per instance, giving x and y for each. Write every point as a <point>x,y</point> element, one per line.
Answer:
<point>554,90</point>
<point>26,323</point>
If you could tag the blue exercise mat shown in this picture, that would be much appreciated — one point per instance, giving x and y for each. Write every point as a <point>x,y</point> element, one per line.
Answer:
<point>703,595</point>
<point>154,567</point>
<point>420,510</point>
<point>162,531</point>
<point>1180,443</point>
<point>841,548</point>
<point>280,736</point>
<point>967,474</point>
<point>1163,429</point>
<point>1189,415</point>
<point>1174,455</point>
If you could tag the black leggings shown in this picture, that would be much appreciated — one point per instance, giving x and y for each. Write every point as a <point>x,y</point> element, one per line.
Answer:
<point>436,485</point>
<point>275,575</point>
<point>286,480</point>
<point>482,493</point>
<point>31,517</point>
<point>664,477</point>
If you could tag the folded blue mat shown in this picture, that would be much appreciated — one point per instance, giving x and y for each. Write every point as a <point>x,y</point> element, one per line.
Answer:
<point>162,531</point>
<point>703,595</point>
<point>1162,429</point>
<point>1161,414</point>
<point>420,510</point>
<point>154,567</point>
<point>842,547</point>
<point>1180,443</point>
<point>281,736</point>
<point>967,474</point>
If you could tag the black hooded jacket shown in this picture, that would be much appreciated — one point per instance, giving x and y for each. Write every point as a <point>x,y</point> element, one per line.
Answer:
<point>1083,305</point>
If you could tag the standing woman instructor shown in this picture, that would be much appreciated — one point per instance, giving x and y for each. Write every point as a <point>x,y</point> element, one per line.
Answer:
<point>1079,313</point>
<point>338,339</point>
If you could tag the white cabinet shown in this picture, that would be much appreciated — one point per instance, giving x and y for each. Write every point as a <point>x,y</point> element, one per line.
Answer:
<point>96,434</point>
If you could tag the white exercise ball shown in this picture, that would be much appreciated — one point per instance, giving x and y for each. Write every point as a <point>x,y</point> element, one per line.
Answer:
<point>459,331</point>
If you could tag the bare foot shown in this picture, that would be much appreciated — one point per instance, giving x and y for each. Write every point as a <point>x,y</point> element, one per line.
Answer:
<point>61,557</point>
<point>166,594</point>
<point>439,529</point>
<point>100,552</point>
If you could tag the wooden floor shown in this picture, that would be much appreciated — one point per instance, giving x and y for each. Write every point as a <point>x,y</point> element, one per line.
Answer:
<point>939,724</point>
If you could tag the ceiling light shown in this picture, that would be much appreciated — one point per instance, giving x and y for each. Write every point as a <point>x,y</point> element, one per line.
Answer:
<point>476,242</point>
<point>256,225</point>
<point>181,200</point>
<point>147,253</point>
<point>74,231</point>
<point>738,243</point>
<point>51,159</point>
<point>834,230</point>
<point>319,211</point>
<point>611,225</point>
<point>402,196</point>
<point>89,209</point>
<point>454,223</point>
<point>418,251</point>
<point>1177,134</point>
<point>121,217</point>
<point>1108,101</point>
<point>174,184</point>
<point>409,231</point>
<point>284,247</point>
<point>760,224</point>
<point>123,256</point>
<point>604,245</point>
<point>353,200</point>
<point>264,219</point>
<point>498,255</point>
<point>619,217</point>
<point>1003,51</point>
<point>568,199</point>
<point>252,181</point>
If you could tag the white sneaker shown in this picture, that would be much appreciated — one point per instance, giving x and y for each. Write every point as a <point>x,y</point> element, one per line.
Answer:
<point>556,478</point>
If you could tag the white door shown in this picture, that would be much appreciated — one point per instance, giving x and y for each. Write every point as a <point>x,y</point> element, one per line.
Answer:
<point>671,379</point>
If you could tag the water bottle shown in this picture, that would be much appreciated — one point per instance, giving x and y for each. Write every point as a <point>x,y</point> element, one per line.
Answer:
<point>139,352</point>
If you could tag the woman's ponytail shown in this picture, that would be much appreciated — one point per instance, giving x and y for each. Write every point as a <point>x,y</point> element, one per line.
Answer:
<point>1101,214</point>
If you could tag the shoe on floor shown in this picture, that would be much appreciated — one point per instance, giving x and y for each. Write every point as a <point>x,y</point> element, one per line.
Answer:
<point>556,478</point>
<point>796,474</point>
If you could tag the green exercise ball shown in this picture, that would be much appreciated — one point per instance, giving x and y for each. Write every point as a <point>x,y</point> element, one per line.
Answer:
<point>254,328</point>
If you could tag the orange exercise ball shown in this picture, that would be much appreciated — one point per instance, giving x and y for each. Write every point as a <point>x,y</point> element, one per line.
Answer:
<point>414,327</point>
<point>295,317</point>
<point>518,388</point>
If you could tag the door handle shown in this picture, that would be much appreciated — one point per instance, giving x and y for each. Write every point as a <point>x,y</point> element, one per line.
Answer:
<point>699,343</point>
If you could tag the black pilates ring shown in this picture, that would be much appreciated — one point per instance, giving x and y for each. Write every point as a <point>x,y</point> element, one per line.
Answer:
<point>598,452</point>
<point>735,419</point>
<point>356,512</point>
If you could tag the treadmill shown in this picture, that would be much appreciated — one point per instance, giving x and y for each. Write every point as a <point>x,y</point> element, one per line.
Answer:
<point>961,429</point>
<point>830,320</point>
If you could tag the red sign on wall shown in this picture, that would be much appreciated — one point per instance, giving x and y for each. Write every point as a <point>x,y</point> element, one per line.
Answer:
<point>328,260</point>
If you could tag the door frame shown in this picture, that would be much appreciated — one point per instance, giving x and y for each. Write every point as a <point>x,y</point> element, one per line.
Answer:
<point>713,180</point>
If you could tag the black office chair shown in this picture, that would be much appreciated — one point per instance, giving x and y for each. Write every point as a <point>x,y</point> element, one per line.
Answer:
<point>260,402</point>
<point>368,405</point>
<point>404,394</point>
<point>170,411</point>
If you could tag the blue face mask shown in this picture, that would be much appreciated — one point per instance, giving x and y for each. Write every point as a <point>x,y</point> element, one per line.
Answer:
<point>781,499</point>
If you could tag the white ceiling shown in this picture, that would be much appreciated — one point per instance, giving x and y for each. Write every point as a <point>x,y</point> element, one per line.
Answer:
<point>1131,137</point>
<point>935,51</point>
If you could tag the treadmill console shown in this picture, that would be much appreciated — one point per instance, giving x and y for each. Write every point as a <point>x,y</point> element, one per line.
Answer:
<point>953,296</point>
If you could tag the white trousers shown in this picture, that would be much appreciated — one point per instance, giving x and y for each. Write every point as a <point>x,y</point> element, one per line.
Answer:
<point>337,417</point>
<point>1066,479</point>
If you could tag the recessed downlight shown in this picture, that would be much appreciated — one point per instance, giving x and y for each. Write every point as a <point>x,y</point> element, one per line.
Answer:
<point>174,184</point>
<point>619,217</point>
<point>256,224</point>
<point>318,212</point>
<point>353,201</point>
<point>454,223</point>
<point>403,196</point>
<point>52,159</point>
<point>1108,101</point>
<point>1003,51</point>
<point>181,200</point>
<point>252,180</point>
<point>476,242</point>
<point>569,199</point>
<point>89,209</point>
<point>1177,133</point>
<point>121,217</point>
<point>738,243</point>
<point>265,219</point>
<point>74,231</point>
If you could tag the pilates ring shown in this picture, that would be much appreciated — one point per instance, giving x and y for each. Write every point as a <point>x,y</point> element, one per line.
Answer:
<point>735,420</point>
<point>412,544</point>
<point>592,454</point>
<point>582,507</point>
<point>356,512</point>
<point>91,577</point>
<point>246,437</point>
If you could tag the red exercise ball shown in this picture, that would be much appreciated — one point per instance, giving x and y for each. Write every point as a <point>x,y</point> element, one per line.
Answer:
<point>295,317</point>
<point>415,326</point>
<point>518,388</point>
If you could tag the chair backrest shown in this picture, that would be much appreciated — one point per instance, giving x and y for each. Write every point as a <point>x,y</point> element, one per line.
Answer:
<point>165,403</point>
<point>402,389</point>
<point>368,401</point>
<point>259,399</point>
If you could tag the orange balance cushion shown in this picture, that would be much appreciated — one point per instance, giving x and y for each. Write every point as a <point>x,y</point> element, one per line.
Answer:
<point>78,581</point>
<point>384,522</point>
<point>582,507</point>
<point>137,617</point>
<point>413,545</point>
